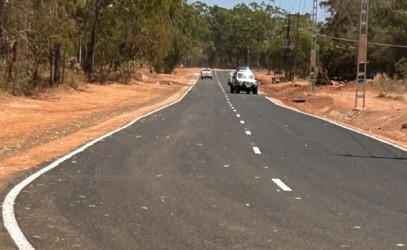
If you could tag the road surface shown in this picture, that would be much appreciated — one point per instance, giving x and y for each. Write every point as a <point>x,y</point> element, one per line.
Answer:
<point>222,171</point>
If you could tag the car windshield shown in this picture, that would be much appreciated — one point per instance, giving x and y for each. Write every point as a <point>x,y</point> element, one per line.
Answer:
<point>245,75</point>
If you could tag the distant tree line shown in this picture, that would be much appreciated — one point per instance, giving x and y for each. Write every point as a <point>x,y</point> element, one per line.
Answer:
<point>42,40</point>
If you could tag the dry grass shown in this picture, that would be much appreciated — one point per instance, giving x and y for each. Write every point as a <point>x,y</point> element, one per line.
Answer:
<point>387,87</point>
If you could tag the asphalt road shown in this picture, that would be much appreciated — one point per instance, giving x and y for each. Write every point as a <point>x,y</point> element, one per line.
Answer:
<point>222,171</point>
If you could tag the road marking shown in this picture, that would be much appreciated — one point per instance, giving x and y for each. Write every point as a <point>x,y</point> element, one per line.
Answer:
<point>237,115</point>
<point>256,150</point>
<point>281,184</point>
<point>248,133</point>
<point>241,122</point>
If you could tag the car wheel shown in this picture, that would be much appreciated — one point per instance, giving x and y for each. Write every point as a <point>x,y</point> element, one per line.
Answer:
<point>231,89</point>
<point>238,90</point>
<point>248,91</point>
<point>255,91</point>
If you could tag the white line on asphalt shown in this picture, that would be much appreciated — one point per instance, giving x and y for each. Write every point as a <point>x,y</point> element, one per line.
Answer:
<point>241,122</point>
<point>256,150</point>
<point>281,184</point>
<point>248,133</point>
<point>9,218</point>
<point>237,115</point>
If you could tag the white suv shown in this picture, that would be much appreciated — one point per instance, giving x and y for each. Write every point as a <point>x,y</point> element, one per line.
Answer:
<point>243,80</point>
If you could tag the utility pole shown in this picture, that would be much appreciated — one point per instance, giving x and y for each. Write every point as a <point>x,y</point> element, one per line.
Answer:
<point>362,54</point>
<point>313,66</point>
<point>295,55</point>
<point>288,49</point>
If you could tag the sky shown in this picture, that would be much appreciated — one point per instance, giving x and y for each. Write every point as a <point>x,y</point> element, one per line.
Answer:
<point>293,6</point>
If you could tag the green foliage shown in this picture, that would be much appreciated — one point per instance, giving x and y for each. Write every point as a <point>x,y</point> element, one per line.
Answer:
<point>387,25</point>
<point>401,68</point>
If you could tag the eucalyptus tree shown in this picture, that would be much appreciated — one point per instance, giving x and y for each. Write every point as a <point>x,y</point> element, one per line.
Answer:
<point>222,31</point>
<point>242,35</point>
<point>387,25</point>
<point>92,15</point>
<point>157,33</point>
<point>201,32</point>
<point>183,19</point>
<point>33,35</point>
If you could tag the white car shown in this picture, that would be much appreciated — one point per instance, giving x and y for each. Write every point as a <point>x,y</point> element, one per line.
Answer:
<point>206,73</point>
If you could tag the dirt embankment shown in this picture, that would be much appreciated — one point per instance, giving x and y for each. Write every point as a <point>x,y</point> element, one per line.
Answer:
<point>385,117</point>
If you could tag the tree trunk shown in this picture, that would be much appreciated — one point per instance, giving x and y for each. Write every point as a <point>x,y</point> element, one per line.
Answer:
<point>63,65</point>
<point>57,64</point>
<point>80,51</point>
<point>11,63</point>
<point>51,68</point>
<point>88,64</point>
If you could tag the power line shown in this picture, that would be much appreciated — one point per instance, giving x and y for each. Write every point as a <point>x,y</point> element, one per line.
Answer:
<point>370,43</point>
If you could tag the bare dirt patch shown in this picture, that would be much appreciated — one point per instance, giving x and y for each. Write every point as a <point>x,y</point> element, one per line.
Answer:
<point>383,116</point>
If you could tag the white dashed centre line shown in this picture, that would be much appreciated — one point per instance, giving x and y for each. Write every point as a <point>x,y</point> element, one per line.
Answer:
<point>248,133</point>
<point>256,150</point>
<point>237,115</point>
<point>281,184</point>
<point>241,122</point>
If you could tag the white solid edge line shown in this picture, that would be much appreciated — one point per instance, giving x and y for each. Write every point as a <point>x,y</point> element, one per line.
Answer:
<point>281,184</point>
<point>10,222</point>
<point>256,150</point>
<point>337,124</point>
